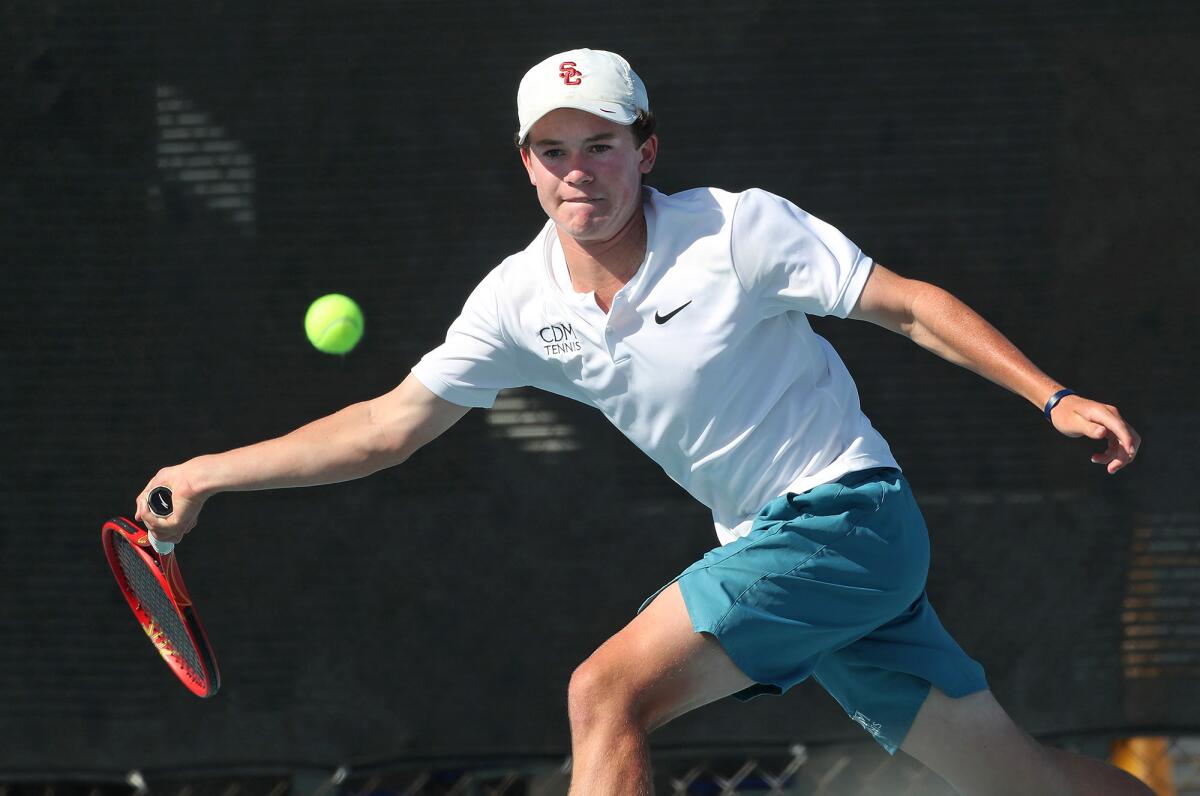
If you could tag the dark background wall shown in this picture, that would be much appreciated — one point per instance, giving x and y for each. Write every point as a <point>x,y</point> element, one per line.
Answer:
<point>179,180</point>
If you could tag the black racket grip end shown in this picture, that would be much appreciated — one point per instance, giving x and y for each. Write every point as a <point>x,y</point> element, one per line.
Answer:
<point>159,501</point>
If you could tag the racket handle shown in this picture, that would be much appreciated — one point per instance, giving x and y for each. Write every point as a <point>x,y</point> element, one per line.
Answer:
<point>159,501</point>
<point>161,505</point>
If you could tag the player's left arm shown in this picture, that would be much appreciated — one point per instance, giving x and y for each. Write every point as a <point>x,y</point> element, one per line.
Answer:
<point>938,321</point>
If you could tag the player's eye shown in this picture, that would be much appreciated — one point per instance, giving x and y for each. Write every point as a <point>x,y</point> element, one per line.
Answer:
<point>552,153</point>
<point>598,148</point>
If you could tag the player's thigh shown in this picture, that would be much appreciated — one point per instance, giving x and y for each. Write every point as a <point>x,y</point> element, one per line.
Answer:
<point>657,667</point>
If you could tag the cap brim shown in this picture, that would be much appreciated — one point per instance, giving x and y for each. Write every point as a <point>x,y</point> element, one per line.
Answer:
<point>613,111</point>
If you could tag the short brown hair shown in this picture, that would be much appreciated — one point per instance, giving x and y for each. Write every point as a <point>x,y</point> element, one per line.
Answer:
<point>642,128</point>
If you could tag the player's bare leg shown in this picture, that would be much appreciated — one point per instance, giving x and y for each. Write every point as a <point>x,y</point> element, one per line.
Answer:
<point>974,745</point>
<point>655,669</point>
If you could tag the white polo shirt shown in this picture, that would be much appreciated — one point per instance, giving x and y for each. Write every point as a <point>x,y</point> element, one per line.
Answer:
<point>706,359</point>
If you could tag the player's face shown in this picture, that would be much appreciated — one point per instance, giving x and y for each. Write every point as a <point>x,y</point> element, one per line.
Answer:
<point>587,171</point>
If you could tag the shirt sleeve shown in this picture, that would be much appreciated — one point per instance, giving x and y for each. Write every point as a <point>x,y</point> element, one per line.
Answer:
<point>787,259</point>
<point>478,359</point>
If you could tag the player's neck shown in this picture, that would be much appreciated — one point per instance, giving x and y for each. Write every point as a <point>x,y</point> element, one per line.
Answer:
<point>604,267</point>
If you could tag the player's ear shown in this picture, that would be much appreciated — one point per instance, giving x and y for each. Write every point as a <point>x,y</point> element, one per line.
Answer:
<point>527,159</point>
<point>649,154</point>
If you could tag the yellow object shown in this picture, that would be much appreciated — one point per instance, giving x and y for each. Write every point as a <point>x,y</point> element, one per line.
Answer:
<point>334,324</point>
<point>1148,759</point>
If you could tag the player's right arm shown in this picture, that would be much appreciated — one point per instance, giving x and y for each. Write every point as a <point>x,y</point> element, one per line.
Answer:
<point>354,442</point>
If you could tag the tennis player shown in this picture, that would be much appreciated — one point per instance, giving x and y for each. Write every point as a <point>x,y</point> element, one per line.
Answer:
<point>684,319</point>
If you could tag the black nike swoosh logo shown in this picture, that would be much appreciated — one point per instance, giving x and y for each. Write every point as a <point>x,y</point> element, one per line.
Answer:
<point>660,319</point>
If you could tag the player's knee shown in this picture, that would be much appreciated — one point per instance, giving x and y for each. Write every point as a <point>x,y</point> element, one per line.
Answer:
<point>598,694</point>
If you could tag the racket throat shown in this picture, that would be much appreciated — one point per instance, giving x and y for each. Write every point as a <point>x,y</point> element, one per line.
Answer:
<point>175,578</point>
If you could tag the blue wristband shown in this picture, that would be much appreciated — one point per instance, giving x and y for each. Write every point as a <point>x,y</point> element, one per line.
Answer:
<point>1054,399</point>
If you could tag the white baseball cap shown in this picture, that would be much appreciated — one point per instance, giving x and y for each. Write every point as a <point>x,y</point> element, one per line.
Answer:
<point>595,81</point>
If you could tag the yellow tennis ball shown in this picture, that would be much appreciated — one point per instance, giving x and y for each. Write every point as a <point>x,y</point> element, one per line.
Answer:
<point>334,324</point>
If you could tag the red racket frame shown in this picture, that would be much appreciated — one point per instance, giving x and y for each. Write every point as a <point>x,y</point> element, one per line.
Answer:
<point>165,570</point>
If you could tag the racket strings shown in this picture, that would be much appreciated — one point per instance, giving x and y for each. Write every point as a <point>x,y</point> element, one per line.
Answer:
<point>166,629</point>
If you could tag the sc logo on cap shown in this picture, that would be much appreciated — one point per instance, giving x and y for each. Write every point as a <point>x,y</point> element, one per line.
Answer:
<point>570,75</point>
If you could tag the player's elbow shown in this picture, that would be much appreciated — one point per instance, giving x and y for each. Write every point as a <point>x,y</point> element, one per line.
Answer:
<point>405,419</point>
<point>390,437</point>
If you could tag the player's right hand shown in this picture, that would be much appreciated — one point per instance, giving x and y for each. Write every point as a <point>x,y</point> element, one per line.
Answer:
<point>186,504</point>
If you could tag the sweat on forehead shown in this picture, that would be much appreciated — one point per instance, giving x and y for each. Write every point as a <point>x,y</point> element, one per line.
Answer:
<point>570,126</point>
<point>642,128</point>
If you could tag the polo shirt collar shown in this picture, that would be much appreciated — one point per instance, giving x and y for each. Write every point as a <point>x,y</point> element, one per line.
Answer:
<point>554,262</point>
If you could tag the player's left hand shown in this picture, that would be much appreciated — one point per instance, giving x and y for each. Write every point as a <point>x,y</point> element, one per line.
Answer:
<point>1077,416</point>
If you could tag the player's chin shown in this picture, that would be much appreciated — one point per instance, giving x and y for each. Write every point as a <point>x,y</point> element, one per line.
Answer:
<point>591,235</point>
<point>586,225</point>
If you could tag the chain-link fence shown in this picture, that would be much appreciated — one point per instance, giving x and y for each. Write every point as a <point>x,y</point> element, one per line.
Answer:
<point>1169,764</point>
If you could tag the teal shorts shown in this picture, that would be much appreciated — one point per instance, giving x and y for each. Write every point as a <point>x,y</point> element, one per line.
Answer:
<point>831,583</point>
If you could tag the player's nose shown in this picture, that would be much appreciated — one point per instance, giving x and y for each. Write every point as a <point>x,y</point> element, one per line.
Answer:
<point>578,176</point>
<point>577,171</point>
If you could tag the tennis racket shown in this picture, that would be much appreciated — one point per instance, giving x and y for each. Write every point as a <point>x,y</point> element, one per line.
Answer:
<point>148,574</point>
